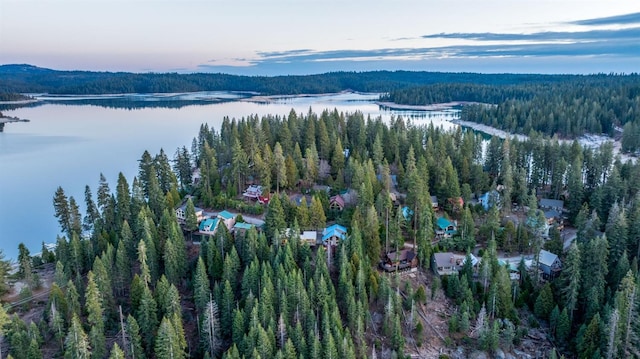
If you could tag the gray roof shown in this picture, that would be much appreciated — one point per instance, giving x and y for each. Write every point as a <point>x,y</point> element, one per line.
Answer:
<point>445,259</point>
<point>551,203</point>
<point>546,258</point>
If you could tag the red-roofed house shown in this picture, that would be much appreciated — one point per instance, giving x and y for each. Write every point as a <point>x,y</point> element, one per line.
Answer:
<point>336,203</point>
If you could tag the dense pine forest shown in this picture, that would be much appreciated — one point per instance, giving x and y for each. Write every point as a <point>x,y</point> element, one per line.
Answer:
<point>582,104</point>
<point>131,281</point>
<point>31,79</point>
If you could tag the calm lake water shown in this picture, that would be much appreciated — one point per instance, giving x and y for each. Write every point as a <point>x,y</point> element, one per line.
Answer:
<point>69,142</point>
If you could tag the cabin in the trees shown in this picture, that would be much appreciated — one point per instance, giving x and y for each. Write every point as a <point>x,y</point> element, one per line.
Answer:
<point>434,202</point>
<point>512,268</point>
<point>195,176</point>
<point>407,213</point>
<point>489,199</point>
<point>242,227</point>
<point>182,215</point>
<point>553,209</point>
<point>253,192</point>
<point>209,225</point>
<point>333,234</point>
<point>297,199</point>
<point>534,222</point>
<point>399,260</point>
<point>228,218</point>
<point>445,228</point>
<point>556,204</point>
<point>336,203</point>
<point>309,237</point>
<point>456,203</point>
<point>449,263</point>
<point>549,265</point>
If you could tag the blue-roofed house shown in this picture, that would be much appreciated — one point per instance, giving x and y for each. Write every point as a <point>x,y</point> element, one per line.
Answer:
<point>332,234</point>
<point>407,213</point>
<point>445,228</point>
<point>228,218</point>
<point>209,225</point>
<point>241,227</point>
<point>489,199</point>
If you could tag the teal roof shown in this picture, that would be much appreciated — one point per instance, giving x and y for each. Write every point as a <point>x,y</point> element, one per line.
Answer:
<point>334,233</point>
<point>209,224</point>
<point>334,230</point>
<point>407,213</point>
<point>242,225</point>
<point>443,223</point>
<point>226,215</point>
<point>335,227</point>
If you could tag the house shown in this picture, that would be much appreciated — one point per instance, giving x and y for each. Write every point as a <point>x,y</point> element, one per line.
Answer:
<point>332,234</point>
<point>195,176</point>
<point>321,188</point>
<point>297,199</point>
<point>512,268</point>
<point>554,217</point>
<point>489,199</point>
<point>400,260</point>
<point>254,191</point>
<point>394,180</point>
<point>445,228</point>
<point>228,218</point>
<point>310,237</point>
<point>543,228</point>
<point>556,204</point>
<point>549,265</point>
<point>242,227</point>
<point>336,203</point>
<point>434,202</point>
<point>182,216</point>
<point>407,213</point>
<point>448,263</point>
<point>209,225</point>
<point>457,203</point>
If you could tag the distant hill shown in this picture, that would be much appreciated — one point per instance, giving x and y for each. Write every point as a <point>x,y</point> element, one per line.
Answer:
<point>24,78</point>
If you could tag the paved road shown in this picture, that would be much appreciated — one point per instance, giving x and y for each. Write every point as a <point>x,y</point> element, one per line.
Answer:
<point>568,235</point>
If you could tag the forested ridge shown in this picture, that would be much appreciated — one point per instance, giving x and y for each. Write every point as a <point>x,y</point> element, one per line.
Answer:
<point>263,294</point>
<point>31,79</point>
<point>582,104</point>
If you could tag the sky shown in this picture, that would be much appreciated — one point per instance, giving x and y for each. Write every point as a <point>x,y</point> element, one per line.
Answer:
<point>280,37</point>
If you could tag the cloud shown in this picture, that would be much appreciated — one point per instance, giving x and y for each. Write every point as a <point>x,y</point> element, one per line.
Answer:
<point>626,19</point>
<point>554,36</point>
<point>590,43</point>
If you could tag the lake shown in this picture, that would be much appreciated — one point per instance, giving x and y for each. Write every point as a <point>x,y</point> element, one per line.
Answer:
<point>70,140</point>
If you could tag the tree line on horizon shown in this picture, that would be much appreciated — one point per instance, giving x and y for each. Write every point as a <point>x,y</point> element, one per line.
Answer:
<point>31,79</point>
<point>256,295</point>
<point>600,104</point>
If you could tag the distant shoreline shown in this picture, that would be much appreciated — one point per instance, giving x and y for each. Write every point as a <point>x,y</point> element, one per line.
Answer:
<point>431,107</point>
<point>19,102</point>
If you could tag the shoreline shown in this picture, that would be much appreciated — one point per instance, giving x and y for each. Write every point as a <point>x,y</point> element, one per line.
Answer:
<point>588,140</point>
<point>432,107</point>
<point>19,102</point>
